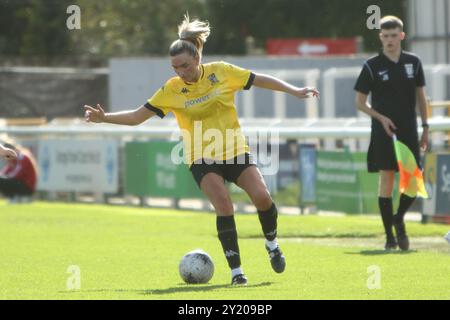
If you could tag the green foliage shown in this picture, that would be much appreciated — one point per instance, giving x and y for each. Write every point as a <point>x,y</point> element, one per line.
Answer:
<point>131,27</point>
<point>110,28</point>
<point>237,19</point>
<point>34,28</point>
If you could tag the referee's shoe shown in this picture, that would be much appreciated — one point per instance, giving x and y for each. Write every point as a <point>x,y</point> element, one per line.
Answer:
<point>277,259</point>
<point>391,244</point>
<point>402,237</point>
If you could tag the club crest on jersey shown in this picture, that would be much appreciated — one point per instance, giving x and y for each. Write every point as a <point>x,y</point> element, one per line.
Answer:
<point>184,90</point>
<point>212,77</point>
<point>384,75</point>
<point>409,70</point>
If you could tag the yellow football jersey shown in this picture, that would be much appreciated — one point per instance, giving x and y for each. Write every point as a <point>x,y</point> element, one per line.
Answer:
<point>205,111</point>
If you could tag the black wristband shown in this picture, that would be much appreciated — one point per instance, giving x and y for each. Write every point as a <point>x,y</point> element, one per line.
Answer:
<point>425,125</point>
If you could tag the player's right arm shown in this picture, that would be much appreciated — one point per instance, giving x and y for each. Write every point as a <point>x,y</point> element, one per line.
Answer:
<point>364,106</point>
<point>363,87</point>
<point>130,117</point>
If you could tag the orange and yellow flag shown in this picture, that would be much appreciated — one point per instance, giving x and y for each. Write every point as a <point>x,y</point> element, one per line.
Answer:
<point>411,178</point>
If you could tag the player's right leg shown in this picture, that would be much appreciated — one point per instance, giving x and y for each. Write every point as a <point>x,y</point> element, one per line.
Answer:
<point>212,185</point>
<point>386,186</point>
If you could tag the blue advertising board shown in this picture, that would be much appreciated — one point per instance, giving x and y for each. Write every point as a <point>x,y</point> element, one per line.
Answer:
<point>307,170</point>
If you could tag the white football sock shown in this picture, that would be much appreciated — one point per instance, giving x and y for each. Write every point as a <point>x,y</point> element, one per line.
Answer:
<point>236,271</point>
<point>272,245</point>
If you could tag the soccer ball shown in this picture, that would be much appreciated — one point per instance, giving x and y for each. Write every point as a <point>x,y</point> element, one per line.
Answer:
<point>447,237</point>
<point>196,267</point>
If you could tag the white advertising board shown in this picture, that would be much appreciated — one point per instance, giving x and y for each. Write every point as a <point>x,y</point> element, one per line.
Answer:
<point>78,166</point>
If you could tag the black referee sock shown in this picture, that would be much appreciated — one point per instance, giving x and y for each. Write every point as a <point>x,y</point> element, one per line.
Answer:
<point>387,215</point>
<point>405,204</point>
<point>268,221</point>
<point>226,229</point>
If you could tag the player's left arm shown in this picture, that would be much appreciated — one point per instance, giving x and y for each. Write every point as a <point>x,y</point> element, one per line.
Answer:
<point>422,101</point>
<point>273,83</point>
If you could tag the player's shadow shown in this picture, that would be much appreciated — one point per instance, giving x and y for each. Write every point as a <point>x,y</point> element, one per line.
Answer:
<point>315,236</point>
<point>379,252</point>
<point>181,288</point>
<point>198,288</point>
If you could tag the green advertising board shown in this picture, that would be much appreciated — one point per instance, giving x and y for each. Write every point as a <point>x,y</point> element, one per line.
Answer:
<point>343,183</point>
<point>150,171</point>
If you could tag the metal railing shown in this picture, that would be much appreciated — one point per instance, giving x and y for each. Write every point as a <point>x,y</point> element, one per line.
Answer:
<point>340,128</point>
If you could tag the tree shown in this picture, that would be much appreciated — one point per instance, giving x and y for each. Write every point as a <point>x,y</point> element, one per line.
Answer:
<point>264,19</point>
<point>131,27</point>
<point>33,28</point>
<point>111,28</point>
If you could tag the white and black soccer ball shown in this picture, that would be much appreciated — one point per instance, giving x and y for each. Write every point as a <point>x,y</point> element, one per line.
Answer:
<point>196,267</point>
<point>447,237</point>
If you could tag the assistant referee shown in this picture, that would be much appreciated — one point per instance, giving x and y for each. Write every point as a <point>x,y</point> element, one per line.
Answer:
<point>396,80</point>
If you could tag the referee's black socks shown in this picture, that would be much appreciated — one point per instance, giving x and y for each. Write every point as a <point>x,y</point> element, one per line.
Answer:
<point>405,204</point>
<point>387,215</point>
<point>268,221</point>
<point>226,229</point>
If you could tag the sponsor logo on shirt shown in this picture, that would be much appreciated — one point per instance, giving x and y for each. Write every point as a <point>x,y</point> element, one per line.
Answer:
<point>409,70</point>
<point>190,103</point>
<point>212,77</point>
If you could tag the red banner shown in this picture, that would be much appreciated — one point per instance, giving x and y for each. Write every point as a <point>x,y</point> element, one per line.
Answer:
<point>312,47</point>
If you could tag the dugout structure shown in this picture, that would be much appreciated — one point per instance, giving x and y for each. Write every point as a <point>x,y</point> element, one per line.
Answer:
<point>35,92</point>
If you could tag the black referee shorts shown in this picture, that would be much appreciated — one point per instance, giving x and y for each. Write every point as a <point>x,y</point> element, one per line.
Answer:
<point>229,170</point>
<point>381,153</point>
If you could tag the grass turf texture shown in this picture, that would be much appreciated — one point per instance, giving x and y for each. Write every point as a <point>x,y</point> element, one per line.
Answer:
<point>133,253</point>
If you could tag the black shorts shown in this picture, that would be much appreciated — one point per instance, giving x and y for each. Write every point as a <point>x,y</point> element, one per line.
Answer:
<point>229,170</point>
<point>381,153</point>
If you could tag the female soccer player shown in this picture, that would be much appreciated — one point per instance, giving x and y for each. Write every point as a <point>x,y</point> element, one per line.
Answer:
<point>202,98</point>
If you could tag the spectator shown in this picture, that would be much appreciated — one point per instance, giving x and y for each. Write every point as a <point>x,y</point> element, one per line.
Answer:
<point>19,176</point>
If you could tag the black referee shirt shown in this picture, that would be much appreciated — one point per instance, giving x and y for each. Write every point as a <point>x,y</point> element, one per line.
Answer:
<point>393,86</point>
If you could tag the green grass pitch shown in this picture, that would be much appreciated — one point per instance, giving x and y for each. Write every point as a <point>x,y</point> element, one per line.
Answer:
<point>133,253</point>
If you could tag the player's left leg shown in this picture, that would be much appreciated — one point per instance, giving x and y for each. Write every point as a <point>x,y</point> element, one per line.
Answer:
<point>252,182</point>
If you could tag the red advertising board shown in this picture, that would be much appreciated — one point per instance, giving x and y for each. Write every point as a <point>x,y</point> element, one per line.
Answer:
<point>312,46</point>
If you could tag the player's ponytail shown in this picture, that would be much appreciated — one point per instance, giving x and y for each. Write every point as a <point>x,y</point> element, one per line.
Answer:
<point>192,36</point>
